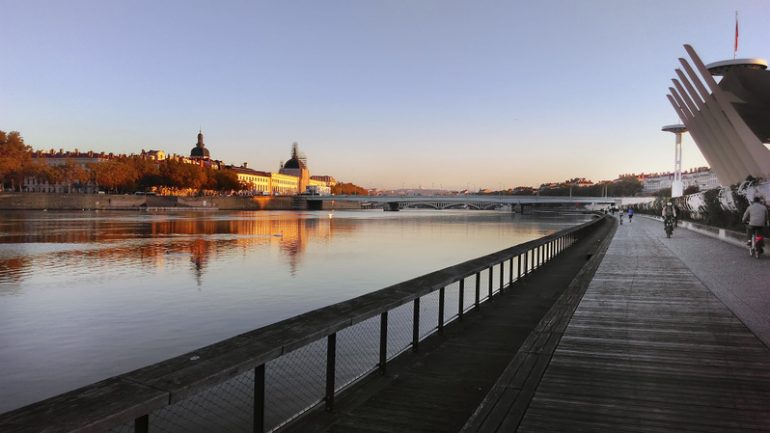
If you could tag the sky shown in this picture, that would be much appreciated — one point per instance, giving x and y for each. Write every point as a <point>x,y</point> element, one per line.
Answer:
<point>387,93</point>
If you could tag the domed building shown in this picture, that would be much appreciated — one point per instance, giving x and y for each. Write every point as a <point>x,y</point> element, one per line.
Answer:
<point>297,166</point>
<point>199,152</point>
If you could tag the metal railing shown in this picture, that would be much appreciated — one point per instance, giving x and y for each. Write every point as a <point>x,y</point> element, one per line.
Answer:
<point>261,380</point>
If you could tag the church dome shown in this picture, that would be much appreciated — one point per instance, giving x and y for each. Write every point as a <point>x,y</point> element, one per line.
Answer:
<point>199,151</point>
<point>297,160</point>
<point>294,163</point>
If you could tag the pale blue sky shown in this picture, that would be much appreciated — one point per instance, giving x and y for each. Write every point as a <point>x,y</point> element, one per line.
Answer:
<point>385,93</point>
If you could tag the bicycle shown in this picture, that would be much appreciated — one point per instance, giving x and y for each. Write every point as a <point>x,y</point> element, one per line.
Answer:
<point>757,242</point>
<point>668,226</point>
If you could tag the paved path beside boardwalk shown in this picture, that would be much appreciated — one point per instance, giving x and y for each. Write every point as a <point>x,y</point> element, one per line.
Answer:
<point>650,348</point>
<point>741,282</point>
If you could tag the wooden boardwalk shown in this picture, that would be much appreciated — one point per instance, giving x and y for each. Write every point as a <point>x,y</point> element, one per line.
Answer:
<point>648,349</point>
<point>436,389</point>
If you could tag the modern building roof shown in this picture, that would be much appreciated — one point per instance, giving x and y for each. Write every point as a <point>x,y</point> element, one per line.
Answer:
<point>676,128</point>
<point>720,68</point>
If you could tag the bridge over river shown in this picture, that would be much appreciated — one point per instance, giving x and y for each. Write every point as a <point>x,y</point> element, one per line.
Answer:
<point>485,201</point>
<point>598,327</point>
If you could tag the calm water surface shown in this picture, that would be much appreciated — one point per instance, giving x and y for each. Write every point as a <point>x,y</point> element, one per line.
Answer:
<point>85,296</point>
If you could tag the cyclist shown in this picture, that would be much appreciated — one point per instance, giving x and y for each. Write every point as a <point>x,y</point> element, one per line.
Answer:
<point>669,211</point>
<point>756,217</point>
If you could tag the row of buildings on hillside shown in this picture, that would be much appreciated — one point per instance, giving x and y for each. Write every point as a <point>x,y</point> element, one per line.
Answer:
<point>293,177</point>
<point>701,177</point>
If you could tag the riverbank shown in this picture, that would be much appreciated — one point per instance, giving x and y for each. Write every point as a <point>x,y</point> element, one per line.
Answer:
<point>55,201</point>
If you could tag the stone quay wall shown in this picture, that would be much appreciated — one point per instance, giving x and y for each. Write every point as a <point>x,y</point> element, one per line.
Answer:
<point>55,201</point>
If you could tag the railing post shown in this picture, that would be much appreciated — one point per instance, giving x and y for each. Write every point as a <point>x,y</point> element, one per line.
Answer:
<point>383,341</point>
<point>416,325</point>
<point>331,359</point>
<point>510,271</point>
<point>142,424</point>
<point>502,275</point>
<point>441,310</point>
<point>489,280</point>
<point>259,399</point>
<point>518,265</point>
<point>478,291</point>
<point>461,300</point>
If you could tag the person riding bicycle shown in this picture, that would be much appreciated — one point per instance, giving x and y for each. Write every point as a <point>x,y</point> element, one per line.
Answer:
<point>669,211</point>
<point>756,217</point>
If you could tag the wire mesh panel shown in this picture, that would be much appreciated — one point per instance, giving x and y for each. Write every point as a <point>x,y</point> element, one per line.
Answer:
<point>226,407</point>
<point>518,262</point>
<point>429,314</point>
<point>358,351</point>
<point>399,329</point>
<point>451,302</point>
<point>294,383</point>
<point>484,285</point>
<point>469,295</point>
<point>530,260</point>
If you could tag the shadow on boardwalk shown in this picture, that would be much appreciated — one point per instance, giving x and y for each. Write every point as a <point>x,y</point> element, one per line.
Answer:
<point>438,388</point>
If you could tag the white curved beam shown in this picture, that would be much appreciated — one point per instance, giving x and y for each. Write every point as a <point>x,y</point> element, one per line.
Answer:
<point>754,146</point>
<point>732,143</point>
<point>726,154</point>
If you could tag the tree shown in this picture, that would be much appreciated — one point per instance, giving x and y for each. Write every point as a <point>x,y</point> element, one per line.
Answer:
<point>348,189</point>
<point>176,174</point>
<point>114,175</point>
<point>15,157</point>
<point>70,173</point>
<point>224,180</point>
<point>692,189</point>
<point>627,186</point>
<point>147,172</point>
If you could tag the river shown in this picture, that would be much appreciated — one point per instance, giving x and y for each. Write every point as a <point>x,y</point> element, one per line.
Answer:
<point>86,295</point>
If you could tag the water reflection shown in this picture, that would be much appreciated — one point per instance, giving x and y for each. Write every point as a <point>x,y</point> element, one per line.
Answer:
<point>104,293</point>
<point>59,241</point>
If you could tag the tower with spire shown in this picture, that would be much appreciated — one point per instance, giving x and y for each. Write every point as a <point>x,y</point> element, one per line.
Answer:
<point>199,152</point>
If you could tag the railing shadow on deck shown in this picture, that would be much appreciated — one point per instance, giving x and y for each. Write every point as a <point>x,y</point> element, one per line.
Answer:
<point>261,380</point>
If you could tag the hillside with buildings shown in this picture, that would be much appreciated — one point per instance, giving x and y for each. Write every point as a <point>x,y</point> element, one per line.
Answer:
<point>149,171</point>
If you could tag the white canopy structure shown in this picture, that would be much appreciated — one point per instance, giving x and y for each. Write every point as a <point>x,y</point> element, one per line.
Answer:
<point>729,121</point>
